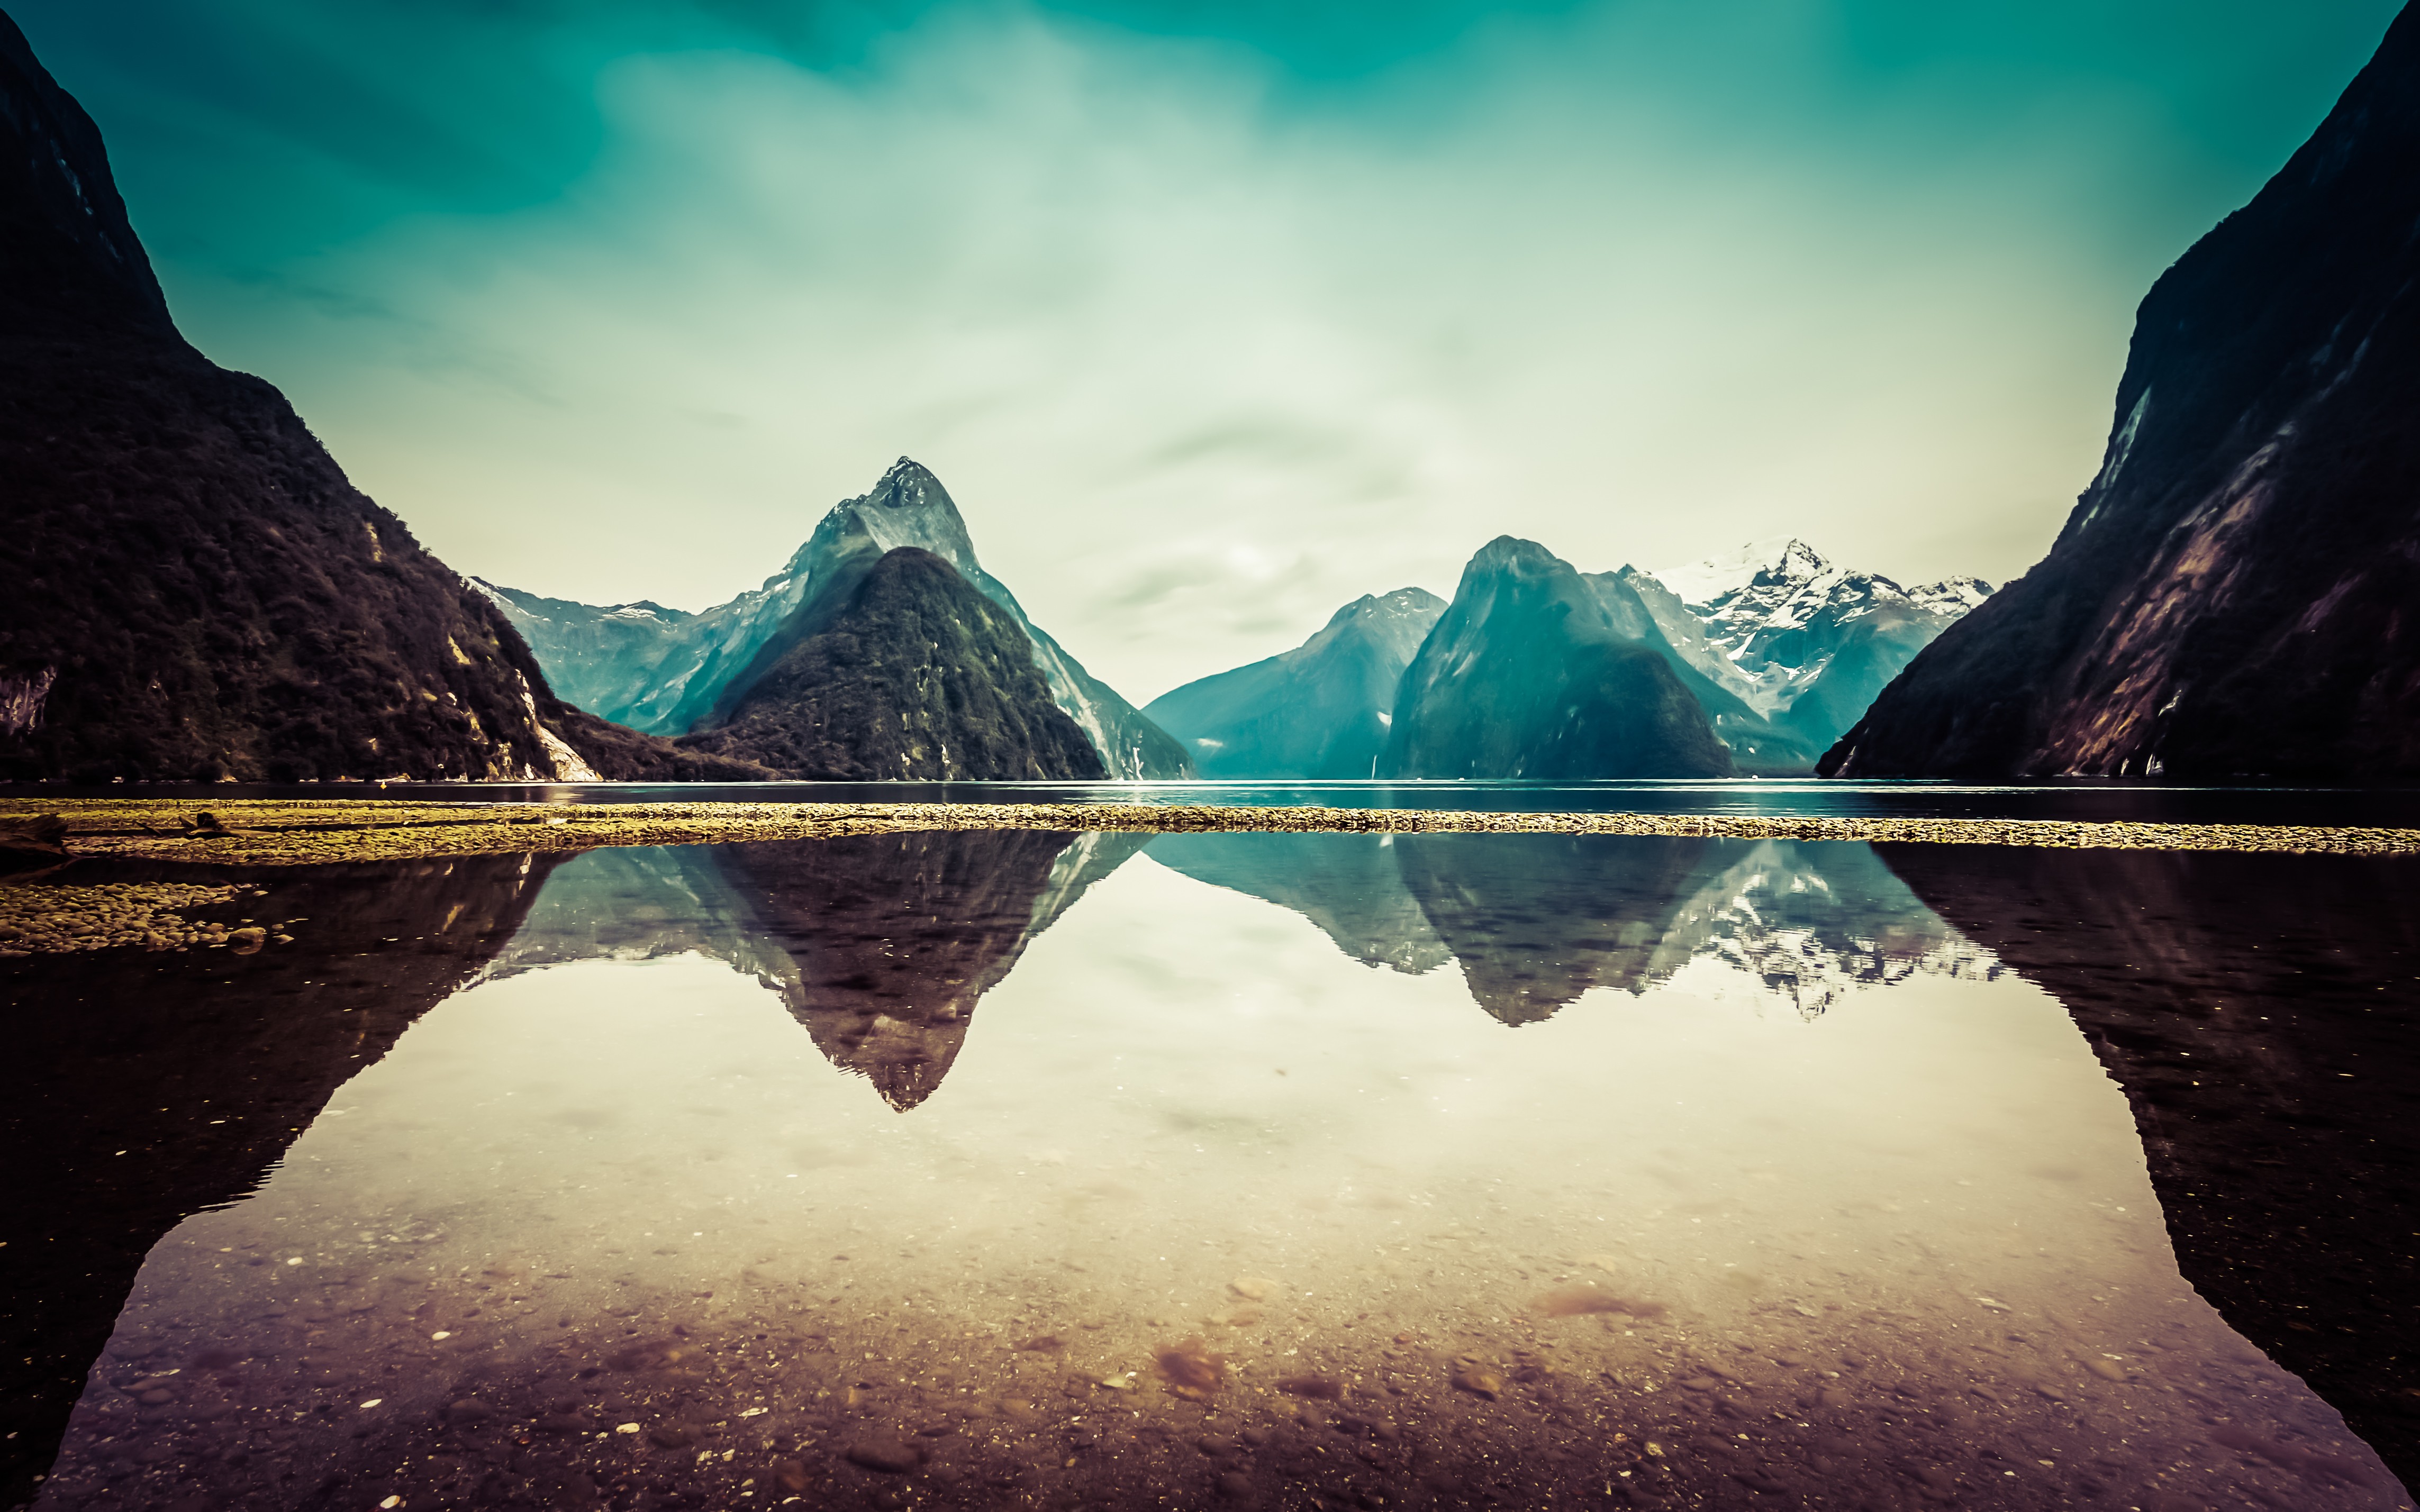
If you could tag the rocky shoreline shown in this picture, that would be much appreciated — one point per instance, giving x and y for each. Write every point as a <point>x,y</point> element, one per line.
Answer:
<point>280,832</point>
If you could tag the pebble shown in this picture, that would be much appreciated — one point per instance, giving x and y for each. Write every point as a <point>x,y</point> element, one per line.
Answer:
<point>890,1456</point>
<point>1252,1287</point>
<point>1477,1380</point>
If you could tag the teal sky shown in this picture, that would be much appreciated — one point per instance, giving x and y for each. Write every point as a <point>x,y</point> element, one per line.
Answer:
<point>1213,316</point>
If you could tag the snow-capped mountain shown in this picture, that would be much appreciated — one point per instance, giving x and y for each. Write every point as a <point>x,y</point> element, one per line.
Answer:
<point>664,672</point>
<point>1804,644</point>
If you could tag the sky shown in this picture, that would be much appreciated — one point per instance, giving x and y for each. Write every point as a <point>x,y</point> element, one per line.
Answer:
<point>1213,316</point>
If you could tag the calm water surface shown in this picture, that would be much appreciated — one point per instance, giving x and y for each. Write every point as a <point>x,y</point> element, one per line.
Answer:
<point>1019,1170</point>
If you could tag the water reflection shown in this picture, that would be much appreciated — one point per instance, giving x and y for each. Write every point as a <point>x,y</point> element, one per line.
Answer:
<point>1536,920</point>
<point>1210,1212</point>
<point>2258,1010</point>
<point>141,1089</point>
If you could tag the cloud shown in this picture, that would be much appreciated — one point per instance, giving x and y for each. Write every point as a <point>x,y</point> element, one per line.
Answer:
<point>1203,355</point>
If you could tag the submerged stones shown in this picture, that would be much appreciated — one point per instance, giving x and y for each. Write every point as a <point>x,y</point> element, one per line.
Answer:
<point>41,918</point>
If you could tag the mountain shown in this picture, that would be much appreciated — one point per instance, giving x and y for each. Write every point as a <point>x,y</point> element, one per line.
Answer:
<point>2233,595</point>
<point>1781,649</point>
<point>907,673</point>
<point>1321,710</point>
<point>1803,644</point>
<point>1527,676</point>
<point>666,672</point>
<point>195,590</point>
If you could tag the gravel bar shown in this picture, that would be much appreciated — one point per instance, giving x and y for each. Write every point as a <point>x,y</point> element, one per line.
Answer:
<point>281,832</point>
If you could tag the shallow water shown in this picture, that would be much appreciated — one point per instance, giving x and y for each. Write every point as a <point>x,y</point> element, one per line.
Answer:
<point>1253,1170</point>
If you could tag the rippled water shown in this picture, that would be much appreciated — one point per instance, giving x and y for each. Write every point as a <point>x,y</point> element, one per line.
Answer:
<point>979,1170</point>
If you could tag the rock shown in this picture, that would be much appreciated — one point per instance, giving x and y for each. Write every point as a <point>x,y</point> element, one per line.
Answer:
<point>1477,1380</point>
<point>1018,1410</point>
<point>790,1475</point>
<point>247,941</point>
<point>1214,1444</point>
<point>1235,1485</point>
<point>890,1455</point>
<point>671,1435</point>
<point>2106,1369</point>
<point>1190,1369</point>
<point>1252,1287</point>
<point>468,1410</point>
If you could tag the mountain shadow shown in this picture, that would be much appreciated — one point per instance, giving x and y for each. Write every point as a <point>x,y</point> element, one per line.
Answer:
<point>141,1089</point>
<point>2259,1012</point>
<point>2232,595</point>
<point>886,942</point>
<point>906,674</point>
<point>195,591</point>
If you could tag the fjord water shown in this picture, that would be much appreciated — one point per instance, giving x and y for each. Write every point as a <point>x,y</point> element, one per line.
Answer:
<point>990,1168</point>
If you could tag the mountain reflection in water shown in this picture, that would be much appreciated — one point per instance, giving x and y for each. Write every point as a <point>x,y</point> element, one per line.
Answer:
<point>1208,1212</point>
<point>1536,920</point>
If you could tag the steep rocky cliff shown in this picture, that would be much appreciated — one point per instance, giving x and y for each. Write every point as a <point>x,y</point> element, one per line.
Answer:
<point>2233,595</point>
<point>666,672</point>
<point>195,591</point>
<point>1527,676</point>
<point>907,674</point>
<point>1321,710</point>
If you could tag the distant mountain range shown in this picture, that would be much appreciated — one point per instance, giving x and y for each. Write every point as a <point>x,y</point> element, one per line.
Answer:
<point>2233,596</point>
<point>1760,658</point>
<point>195,590</point>
<point>1321,710</point>
<point>676,673</point>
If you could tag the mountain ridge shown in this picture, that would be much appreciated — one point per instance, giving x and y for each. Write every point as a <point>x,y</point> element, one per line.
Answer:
<point>2228,598</point>
<point>668,675</point>
<point>198,592</point>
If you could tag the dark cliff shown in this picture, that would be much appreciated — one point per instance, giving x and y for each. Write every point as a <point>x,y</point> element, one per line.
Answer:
<point>2233,595</point>
<point>907,673</point>
<point>195,591</point>
<point>1525,675</point>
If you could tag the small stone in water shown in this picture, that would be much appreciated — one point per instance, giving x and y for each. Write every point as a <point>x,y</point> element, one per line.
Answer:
<point>1191,1370</point>
<point>1575,1301</point>
<point>1476,1379</point>
<point>440,1333</point>
<point>1313,1388</point>
<point>2106,1369</point>
<point>625,1428</point>
<point>889,1455</point>
<point>1252,1287</point>
<point>1043,1344</point>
